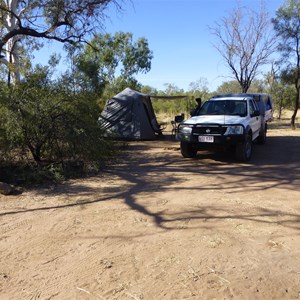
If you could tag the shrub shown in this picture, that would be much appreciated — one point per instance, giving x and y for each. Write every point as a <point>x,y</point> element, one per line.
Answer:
<point>53,124</point>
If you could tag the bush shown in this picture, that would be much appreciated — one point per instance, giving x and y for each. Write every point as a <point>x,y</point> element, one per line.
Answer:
<point>51,123</point>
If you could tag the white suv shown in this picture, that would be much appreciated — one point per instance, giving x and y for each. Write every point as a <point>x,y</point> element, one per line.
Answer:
<point>224,122</point>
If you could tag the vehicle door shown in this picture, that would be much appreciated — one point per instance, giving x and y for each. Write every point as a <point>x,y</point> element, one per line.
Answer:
<point>255,120</point>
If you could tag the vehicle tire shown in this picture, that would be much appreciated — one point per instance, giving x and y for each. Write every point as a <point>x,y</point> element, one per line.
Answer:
<point>243,151</point>
<point>262,136</point>
<point>187,150</point>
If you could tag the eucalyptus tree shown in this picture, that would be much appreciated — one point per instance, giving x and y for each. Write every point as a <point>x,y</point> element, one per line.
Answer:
<point>111,62</point>
<point>228,87</point>
<point>287,26</point>
<point>245,42</point>
<point>50,122</point>
<point>65,21</point>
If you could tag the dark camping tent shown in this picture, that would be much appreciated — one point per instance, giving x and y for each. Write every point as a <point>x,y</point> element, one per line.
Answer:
<point>130,115</point>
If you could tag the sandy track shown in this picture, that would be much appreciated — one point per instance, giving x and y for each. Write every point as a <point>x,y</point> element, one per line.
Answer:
<point>158,226</point>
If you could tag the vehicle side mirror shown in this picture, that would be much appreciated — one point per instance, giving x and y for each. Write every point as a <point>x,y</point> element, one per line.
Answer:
<point>179,118</point>
<point>256,113</point>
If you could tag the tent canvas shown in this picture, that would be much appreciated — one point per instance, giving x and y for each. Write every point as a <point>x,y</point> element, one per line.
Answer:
<point>130,115</point>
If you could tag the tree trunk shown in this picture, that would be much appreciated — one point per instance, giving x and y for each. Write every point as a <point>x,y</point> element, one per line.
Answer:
<point>297,86</point>
<point>295,110</point>
<point>14,61</point>
<point>35,152</point>
<point>11,47</point>
<point>280,106</point>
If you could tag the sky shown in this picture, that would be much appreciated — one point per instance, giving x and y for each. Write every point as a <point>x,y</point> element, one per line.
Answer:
<point>178,34</point>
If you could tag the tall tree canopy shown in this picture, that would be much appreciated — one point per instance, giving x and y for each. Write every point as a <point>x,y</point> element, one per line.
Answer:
<point>66,21</point>
<point>109,57</point>
<point>287,26</point>
<point>245,43</point>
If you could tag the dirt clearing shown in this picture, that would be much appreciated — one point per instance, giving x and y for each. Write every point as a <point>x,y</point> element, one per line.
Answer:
<point>158,226</point>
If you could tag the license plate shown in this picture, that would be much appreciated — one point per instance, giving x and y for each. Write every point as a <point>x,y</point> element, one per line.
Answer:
<point>205,139</point>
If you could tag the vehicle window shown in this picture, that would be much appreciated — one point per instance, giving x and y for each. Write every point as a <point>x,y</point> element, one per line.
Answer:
<point>224,107</point>
<point>212,108</point>
<point>252,107</point>
<point>237,107</point>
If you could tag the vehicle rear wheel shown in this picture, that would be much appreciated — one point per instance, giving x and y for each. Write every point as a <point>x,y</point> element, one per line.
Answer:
<point>262,136</point>
<point>187,150</point>
<point>243,151</point>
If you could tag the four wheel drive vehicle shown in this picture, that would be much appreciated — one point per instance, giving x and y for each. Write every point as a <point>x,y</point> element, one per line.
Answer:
<point>225,121</point>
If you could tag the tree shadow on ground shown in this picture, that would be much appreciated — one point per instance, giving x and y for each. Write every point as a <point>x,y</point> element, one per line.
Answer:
<point>147,168</point>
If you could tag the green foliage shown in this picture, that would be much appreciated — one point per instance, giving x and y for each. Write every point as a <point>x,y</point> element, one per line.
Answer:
<point>5,142</point>
<point>53,124</point>
<point>283,95</point>
<point>287,26</point>
<point>170,106</point>
<point>229,87</point>
<point>114,59</point>
<point>146,89</point>
<point>56,122</point>
<point>233,86</point>
<point>66,21</point>
<point>118,85</point>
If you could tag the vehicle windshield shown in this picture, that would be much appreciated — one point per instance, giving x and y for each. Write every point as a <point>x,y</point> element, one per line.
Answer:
<point>224,107</point>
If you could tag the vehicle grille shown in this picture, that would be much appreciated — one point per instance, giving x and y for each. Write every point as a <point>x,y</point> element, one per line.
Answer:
<point>209,130</point>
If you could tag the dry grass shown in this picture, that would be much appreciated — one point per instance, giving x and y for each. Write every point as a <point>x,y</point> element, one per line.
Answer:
<point>283,123</point>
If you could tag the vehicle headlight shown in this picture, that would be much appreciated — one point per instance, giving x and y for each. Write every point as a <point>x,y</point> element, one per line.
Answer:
<point>185,132</point>
<point>236,129</point>
<point>185,129</point>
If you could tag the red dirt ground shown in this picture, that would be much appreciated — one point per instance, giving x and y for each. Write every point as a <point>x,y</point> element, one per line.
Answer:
<point>158,226</point>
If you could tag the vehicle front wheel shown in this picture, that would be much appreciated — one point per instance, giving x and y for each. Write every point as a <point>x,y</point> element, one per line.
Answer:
<point>243,151</point>
<point>187,150</point>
